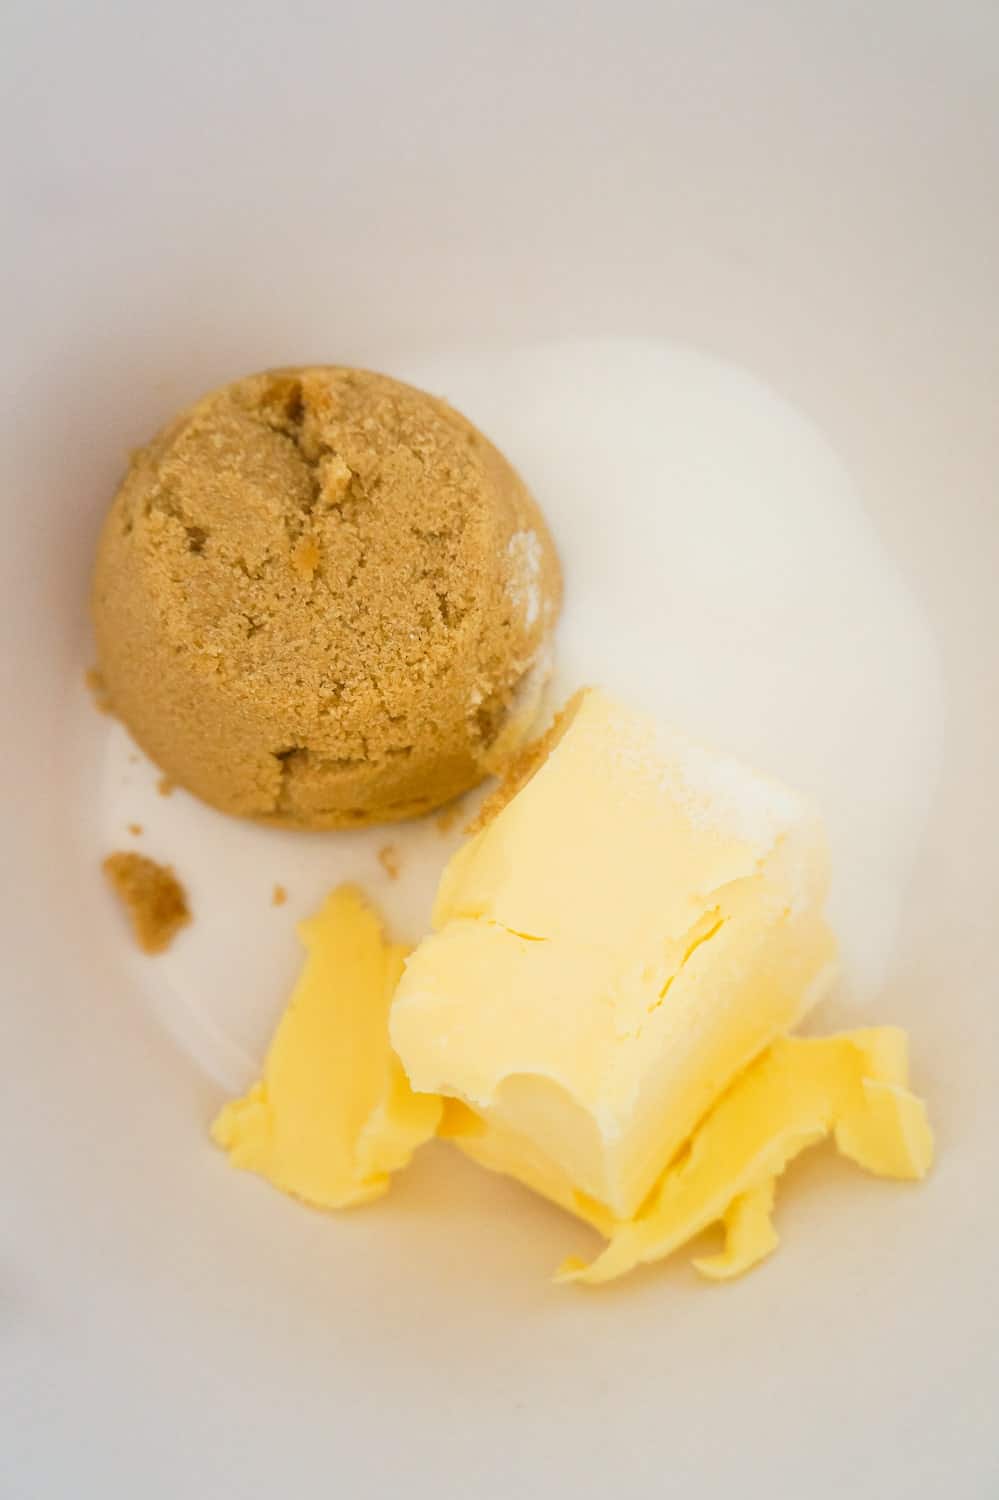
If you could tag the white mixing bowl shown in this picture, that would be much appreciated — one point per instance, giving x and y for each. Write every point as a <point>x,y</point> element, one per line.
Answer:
<point>806,191</point>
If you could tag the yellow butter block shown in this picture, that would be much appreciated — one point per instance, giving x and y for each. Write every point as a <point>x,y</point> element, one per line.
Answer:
<point>618,943</point>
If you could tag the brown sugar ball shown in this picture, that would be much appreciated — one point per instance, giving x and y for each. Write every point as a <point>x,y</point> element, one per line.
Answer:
<point>324,599</point>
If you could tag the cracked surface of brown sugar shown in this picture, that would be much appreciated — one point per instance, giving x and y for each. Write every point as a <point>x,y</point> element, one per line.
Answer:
<point>319,597</point>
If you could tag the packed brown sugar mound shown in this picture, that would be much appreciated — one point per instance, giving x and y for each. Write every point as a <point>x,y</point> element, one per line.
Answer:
<point>324,599</point>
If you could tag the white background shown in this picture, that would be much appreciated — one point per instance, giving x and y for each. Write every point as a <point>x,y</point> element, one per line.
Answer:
<point>197,190</point>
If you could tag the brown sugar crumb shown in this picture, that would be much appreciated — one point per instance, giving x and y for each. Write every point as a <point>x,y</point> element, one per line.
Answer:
<point>153,897</point>
<point>522,766</point>
<point>99,693</point>
<point>165,786</point>
<point>388,858</point>
<point>135,829</point>
<point>450,815</point>
<point>280,896</point>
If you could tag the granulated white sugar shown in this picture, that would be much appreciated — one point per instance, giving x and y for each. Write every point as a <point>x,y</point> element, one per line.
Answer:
<point>524,549</point>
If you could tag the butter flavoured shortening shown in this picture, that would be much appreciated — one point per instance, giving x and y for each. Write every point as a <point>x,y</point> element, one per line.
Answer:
<point>623,938</point>
<point>601,1011</point>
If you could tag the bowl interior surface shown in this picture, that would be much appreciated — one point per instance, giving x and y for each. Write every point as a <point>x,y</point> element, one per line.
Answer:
<point>481,198</point>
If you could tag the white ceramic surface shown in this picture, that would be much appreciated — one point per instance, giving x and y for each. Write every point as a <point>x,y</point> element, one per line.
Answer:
<point>804,192</point>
